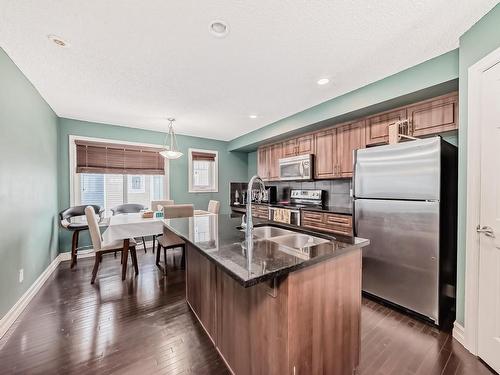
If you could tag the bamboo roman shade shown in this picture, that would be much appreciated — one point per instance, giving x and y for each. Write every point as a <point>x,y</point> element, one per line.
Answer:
<point>197,155</point>
<point>113,158</point>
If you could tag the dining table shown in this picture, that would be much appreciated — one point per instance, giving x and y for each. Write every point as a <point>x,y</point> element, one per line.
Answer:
<point>131,225</point>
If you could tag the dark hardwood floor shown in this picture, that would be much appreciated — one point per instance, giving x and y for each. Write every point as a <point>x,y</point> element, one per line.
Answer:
<point>143,326</point>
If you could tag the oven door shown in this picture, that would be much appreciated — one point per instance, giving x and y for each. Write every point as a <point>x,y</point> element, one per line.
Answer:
<point>294,215</point>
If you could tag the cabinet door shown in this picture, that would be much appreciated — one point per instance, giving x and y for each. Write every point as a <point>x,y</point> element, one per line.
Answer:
<point>290,148</point>
<point>305,145</point>
<point>263,163</point>
<point>377,127</point>
<point>349,138</point>
<point>435,116</point>
<point>325,144</point>
<point>275,153</point>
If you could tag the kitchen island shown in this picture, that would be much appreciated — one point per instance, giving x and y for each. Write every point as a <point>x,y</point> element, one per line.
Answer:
<point>288,304</point>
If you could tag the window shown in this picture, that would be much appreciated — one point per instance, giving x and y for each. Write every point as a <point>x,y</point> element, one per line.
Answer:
<point>203,171</point>
<point>110,190</point>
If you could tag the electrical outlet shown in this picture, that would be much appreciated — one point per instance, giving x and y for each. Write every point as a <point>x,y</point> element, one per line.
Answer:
<point>21,275</point>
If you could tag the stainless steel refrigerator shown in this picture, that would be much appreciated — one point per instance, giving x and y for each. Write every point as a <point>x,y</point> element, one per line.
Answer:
<point>405,202</point>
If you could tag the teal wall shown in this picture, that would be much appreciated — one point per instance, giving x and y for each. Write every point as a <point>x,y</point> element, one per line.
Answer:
<point>28,188</point>
<point>232,165</point>
<point>431,78</point>
<point>476,43</point>
<point>252,164</point>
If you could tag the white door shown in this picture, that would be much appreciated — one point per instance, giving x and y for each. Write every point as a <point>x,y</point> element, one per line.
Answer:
<point>489,242</point>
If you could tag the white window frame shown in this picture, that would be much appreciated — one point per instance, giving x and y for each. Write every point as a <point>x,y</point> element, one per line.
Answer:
<point>215,188</point>
<point>74,178</point>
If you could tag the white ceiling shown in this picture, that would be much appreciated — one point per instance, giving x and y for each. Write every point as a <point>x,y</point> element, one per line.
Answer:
<point>134,63</point>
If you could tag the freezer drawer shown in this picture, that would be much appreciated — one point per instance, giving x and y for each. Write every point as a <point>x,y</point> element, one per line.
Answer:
<point>409,170</point>
<point>401,263</point>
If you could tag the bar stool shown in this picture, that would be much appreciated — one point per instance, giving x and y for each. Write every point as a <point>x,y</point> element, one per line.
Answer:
<point>75,227</point>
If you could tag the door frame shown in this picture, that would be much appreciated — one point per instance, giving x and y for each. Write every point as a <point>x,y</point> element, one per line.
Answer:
<point>471,303</point>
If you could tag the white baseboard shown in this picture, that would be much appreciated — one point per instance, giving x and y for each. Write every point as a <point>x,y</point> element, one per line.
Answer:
<point>459,333</point>
<point>16,310</point>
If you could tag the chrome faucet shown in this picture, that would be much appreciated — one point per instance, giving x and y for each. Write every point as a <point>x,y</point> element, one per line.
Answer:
<point>262,188</point>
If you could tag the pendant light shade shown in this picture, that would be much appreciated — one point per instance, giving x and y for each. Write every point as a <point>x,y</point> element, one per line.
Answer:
<point>171,150</point>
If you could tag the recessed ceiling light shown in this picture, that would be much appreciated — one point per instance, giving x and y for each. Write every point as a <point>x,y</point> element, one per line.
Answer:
<point>253,116</point>
<point>219,28</point>
<point>58,40</point>
<point>323,81</point>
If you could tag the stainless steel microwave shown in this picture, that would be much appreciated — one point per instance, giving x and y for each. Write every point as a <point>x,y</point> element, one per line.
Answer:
<point>296,167</point>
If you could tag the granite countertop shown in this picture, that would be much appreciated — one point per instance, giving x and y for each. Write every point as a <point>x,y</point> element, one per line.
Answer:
<point>218,238</point>
<point>332,209</point>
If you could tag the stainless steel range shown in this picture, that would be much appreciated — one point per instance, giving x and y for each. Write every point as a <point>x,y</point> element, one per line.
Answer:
<point>298,199</point>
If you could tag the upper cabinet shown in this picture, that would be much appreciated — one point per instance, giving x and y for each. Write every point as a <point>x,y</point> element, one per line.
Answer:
<point>268,162</point>
<point>334,147</point>
<point>326,163</point>
<point>438,115</point>
<point>377,127</point>
<point>298,146</point>
<point>350,137</point>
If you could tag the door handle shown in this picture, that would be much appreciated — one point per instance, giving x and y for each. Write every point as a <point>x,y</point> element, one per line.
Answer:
<point>488,231</point>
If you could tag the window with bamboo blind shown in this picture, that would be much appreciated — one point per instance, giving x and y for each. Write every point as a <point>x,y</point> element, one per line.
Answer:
<point>115,158</point>
<point>203,171</point>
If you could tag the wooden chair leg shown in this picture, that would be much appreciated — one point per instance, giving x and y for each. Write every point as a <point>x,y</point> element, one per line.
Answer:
<point>74,246</point>
<point>98,257</point>
<point>165,256</point>
<point>133,255</point>
<point>158,253</point>
<point>144,244</point>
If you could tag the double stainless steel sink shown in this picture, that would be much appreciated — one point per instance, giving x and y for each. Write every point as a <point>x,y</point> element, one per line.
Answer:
<point>288,238</point>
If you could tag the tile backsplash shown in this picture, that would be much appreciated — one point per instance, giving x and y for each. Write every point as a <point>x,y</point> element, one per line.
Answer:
<point>338,192</point>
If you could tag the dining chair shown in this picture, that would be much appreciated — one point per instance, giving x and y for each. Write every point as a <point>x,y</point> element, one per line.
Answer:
<point>158,206</point>
<point>214,207</point>
<point>101,247</point>
<point>130,208</point>
<point>65,216</point>
<point>169,240</point>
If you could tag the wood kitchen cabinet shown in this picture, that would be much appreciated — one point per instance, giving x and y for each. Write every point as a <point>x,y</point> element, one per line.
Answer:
<point>268,162</point>
<point>275,153</point>
<point>350,137</point>
<point>298,146</point>
<point>327,222</point>
<point>325,144</point>
<point>434,116</point>
<point>377,127</point>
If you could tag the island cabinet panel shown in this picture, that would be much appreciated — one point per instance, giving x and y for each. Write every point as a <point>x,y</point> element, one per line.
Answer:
<point>324,310</point>
<point>434,116</point>
<point>377,127</point>
<point>252,334</point>
<point>325,144</point>
<point>201,288</point>
<point>350,137</point>
<point>307,322</point>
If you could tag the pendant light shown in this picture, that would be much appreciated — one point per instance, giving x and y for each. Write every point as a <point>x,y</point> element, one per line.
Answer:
<point>171,150</point>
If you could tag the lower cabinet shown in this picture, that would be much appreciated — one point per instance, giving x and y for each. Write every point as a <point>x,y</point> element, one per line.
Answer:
<point>293,326</point>
<point>327,222</point>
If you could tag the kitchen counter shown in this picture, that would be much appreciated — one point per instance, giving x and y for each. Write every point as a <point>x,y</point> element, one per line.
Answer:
<point>218,238</point>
